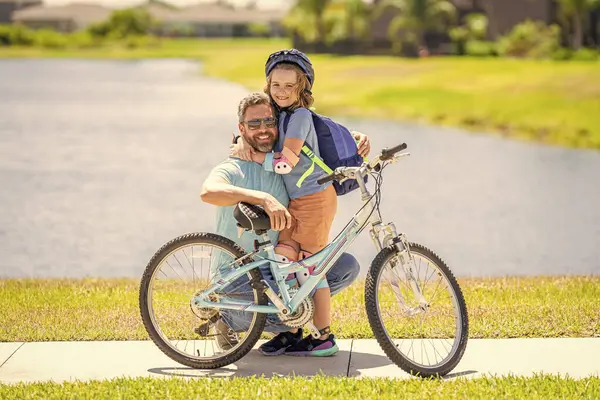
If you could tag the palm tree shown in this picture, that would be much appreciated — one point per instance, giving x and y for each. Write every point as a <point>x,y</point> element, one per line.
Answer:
<point>576,11</point>
<point>355,17</point>
<point>416,17</point>
<point>316,9</point>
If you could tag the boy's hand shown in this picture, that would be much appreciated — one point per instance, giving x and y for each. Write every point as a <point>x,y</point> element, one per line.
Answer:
<point>241,150</point>
<point>364,144</point>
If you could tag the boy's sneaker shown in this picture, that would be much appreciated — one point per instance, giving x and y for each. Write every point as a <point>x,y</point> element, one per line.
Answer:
<point>279,343</point>
<point>311,347</point>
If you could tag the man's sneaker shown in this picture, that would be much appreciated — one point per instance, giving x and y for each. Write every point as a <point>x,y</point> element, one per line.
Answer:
<point>279,343</point>
<point>311,347</point>
<point>226,338</point>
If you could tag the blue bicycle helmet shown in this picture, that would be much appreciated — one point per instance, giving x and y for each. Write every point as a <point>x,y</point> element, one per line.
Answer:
<point>292,56</point>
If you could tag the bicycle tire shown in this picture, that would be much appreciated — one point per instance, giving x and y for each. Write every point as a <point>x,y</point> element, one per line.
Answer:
<point>375,321</point>
<point>255,275</point>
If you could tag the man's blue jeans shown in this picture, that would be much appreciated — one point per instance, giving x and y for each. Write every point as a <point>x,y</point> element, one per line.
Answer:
<point>340,276</point>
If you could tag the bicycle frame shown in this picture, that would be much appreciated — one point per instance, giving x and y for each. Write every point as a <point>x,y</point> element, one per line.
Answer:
<point>324,261</point>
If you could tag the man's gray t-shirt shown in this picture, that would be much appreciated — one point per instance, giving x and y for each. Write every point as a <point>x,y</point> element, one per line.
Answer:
<point>301,127</point>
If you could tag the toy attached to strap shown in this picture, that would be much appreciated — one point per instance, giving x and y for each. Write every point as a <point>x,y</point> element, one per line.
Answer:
<point>286,162</point>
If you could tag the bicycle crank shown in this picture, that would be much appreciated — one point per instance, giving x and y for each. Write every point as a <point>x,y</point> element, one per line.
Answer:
<point>302,315</point>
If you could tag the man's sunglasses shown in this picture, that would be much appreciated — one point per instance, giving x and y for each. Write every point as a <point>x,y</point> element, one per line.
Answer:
<point>270,122</point>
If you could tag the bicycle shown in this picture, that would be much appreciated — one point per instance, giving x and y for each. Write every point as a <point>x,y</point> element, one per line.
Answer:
<point>236,320</point>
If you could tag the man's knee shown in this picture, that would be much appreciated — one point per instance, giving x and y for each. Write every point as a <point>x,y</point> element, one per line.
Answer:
<point>343,273</point>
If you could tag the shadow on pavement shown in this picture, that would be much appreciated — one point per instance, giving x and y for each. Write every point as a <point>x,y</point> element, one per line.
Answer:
<point>372,365</point>
<point>459,374</point>
<point>255,364</point>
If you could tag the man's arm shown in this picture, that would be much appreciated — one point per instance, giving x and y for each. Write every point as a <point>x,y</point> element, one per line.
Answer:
<point>217,191</point>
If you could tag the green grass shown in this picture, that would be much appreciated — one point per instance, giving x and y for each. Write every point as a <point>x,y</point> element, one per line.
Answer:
<point>538,387</point>
<point>546,101</point>
<point>107,309</point>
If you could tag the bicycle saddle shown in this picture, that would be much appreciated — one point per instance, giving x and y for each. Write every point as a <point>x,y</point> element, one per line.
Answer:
<point>252,218</point>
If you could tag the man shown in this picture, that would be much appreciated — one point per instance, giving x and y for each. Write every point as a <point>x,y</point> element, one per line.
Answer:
<point>235,181</point>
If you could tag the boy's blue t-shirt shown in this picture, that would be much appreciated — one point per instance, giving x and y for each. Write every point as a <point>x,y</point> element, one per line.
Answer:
<point>301,127</point>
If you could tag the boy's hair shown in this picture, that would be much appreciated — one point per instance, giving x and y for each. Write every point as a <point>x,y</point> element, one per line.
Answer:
<point>253,99</point>
<point>305,98</point>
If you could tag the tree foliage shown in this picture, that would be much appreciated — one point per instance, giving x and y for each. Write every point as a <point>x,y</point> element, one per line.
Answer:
<point>575,14</point>
<point>416,17</point>
<point>124,23</point>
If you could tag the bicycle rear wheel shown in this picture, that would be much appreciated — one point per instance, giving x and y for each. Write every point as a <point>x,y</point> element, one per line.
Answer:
<point>423,341</point>
<point>207,337</point>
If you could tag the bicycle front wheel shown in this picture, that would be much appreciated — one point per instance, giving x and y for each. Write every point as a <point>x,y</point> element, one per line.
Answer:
<point>425,336</point>
<point>192,336</point>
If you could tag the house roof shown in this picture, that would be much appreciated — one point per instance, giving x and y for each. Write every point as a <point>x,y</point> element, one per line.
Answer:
<point>215,13</point>
<point>81,12</point>
<point>21,2</point>
<point>199,13</point>
<point>158,11</point>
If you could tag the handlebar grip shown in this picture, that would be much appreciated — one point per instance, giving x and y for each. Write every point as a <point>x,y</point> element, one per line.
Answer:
<point>326,179</point>
<point>389,153</point>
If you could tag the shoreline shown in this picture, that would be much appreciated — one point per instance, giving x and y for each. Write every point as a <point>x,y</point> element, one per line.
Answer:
<point>504,97</point>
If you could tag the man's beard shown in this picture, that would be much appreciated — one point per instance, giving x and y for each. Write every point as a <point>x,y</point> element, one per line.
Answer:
<point>262,147</point>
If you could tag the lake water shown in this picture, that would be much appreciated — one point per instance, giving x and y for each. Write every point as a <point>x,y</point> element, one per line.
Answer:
<point>101,162</point>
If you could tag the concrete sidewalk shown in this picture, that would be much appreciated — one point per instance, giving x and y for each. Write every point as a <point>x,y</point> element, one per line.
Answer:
<point>60,361</point>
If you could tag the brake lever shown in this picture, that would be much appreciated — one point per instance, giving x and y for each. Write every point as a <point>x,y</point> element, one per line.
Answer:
<point>397,157</point>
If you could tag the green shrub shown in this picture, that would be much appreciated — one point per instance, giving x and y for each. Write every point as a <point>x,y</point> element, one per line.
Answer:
<point>17,35</point>
<point>562,54</point>
<point>530,39</point>
<point>585,55</point>
<point>471,34</point>
<point>259,29</point>
<point>84,40</point>
<point>98,29</point>
<point>50,39</point>
<point>5,35</point>
<point>137,41</point>
<point>124,23</point>
<point>459,36</point>
<point>477,26</point>
<point>480,48</point>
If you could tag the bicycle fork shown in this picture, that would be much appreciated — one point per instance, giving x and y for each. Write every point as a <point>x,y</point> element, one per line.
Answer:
<point>405,259</point>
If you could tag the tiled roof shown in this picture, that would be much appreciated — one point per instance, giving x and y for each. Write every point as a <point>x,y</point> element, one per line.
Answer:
<point>81,12</point>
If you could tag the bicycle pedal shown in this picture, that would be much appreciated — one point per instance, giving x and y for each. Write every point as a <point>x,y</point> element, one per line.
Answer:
<point>314,331</point>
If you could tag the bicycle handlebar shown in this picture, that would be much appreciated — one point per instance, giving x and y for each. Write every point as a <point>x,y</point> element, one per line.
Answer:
<point>386,154</point>
<point>326,179</point>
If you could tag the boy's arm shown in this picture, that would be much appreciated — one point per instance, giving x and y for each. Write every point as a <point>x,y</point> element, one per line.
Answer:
<point>299,127</point>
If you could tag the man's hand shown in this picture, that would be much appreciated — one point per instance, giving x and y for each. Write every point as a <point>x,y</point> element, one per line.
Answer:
<point>241,150</point>
<point>280,216</point>
<point>364,144</point>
